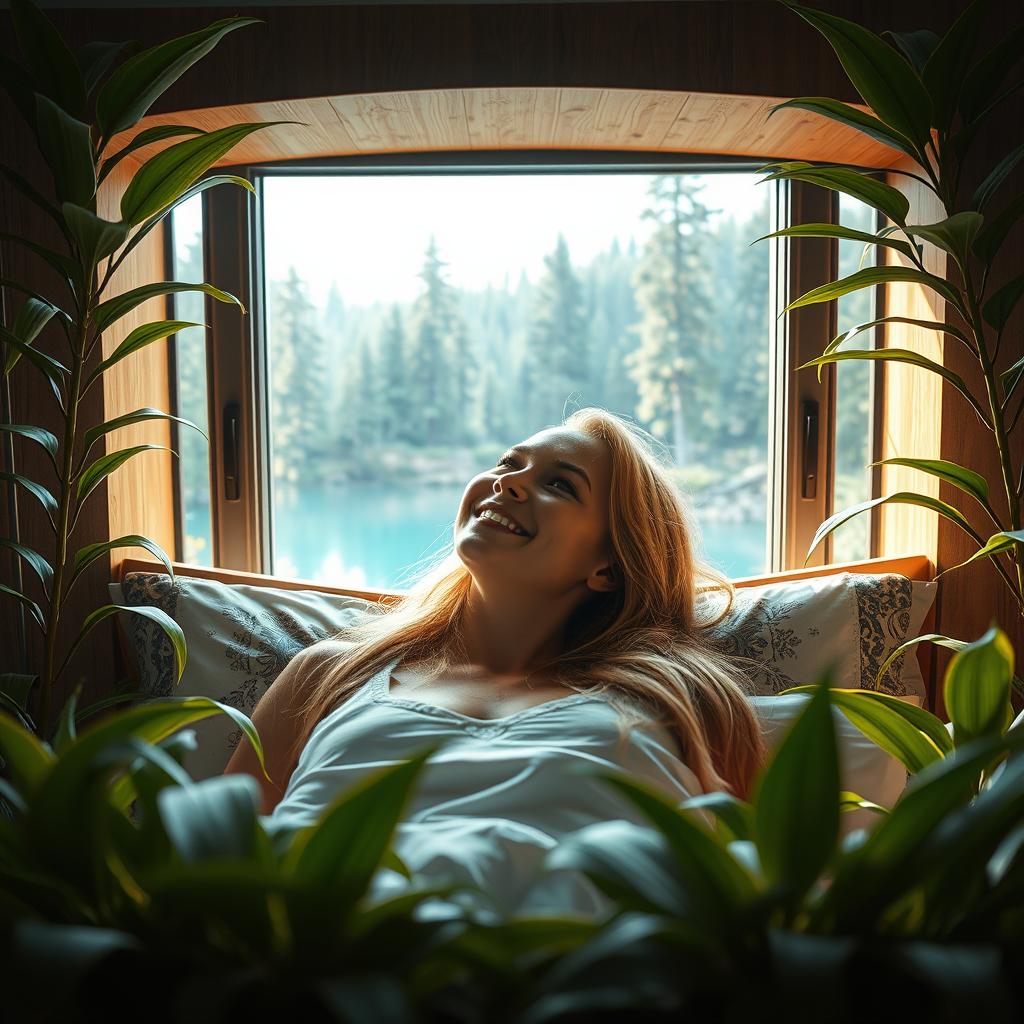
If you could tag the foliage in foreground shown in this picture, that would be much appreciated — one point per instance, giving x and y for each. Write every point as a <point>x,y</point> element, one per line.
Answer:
<point>117,872</point>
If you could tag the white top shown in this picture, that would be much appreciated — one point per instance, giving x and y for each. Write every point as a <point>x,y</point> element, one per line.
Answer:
<point>489,804</point>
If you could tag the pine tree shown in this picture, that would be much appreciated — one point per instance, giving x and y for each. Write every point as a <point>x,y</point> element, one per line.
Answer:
<point>674,366</point>
<point>394,410</point>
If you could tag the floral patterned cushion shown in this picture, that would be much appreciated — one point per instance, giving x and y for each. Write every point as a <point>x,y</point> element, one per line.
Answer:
<point>241,637</point>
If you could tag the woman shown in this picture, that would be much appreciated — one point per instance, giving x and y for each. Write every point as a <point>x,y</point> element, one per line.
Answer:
<point>565,629</point>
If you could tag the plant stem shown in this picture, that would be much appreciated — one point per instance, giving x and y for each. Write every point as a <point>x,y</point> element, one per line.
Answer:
<point>70,428</point>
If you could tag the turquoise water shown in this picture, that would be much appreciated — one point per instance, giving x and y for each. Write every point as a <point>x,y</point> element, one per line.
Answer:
<point>372,535</point>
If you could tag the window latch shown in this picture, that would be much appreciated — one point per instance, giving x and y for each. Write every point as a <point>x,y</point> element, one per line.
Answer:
<point>232,429</point>
<point>809,487</point>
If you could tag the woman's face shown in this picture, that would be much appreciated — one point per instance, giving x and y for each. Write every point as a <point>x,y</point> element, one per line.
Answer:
<point>564,512</point>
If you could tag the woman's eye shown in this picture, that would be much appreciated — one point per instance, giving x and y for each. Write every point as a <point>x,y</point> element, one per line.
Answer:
<point>507,460</point>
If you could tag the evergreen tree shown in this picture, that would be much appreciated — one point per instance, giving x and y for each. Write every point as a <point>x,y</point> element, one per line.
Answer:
<point>556,363</point>
<point>394,365</point>
<point>674,365</point>
<point>298,373</point>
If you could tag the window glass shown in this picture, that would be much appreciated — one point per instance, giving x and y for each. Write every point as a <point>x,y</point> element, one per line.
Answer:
<point>420,324</point>
<point>851,541</point>
<point>190,363</point>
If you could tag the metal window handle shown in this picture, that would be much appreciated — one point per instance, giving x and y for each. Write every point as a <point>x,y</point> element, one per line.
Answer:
<point>809,419</point>
<point>232,430</point>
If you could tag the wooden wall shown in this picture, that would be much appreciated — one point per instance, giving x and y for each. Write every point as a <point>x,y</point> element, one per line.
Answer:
<point>740,48</point>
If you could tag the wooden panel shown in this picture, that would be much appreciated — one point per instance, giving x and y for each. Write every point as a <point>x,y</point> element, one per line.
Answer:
<point>140,495</point>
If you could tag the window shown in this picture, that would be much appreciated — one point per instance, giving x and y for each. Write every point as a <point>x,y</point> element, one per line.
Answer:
<point>408,322</point>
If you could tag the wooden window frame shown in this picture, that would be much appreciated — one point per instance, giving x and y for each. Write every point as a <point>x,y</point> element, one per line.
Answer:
<point>241,527</point>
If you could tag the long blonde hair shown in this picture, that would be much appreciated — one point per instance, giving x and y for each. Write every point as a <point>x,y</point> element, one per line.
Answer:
<point>643,645</point>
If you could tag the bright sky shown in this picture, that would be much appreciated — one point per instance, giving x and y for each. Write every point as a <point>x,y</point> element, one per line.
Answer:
<point>369,233</point>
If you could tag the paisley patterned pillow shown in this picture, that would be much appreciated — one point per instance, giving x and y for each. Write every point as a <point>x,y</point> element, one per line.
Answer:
<point>241,637</point>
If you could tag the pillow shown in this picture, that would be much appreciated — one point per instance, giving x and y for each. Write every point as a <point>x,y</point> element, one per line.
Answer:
<point>864,767</point>
<point>793,629</point>
<point>240,638</point>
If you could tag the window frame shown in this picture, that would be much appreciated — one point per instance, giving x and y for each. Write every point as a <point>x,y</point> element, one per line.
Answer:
<point>237,370</point>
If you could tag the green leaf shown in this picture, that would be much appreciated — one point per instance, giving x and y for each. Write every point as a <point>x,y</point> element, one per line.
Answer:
<point>872,276</point>
<point>96,472</point>
<point>985,77</point>
<point>33,316</point>
<point>937,638</point>
<point>109,312</point>
<point>988,188</point>
<point>991,237</point>
<point>53,65</point>
<point>903,355</point>
<point>849,801</point>
<point>67,146</point>
<point>976,690</point>
<point>96,238</point>
<point>165,176</point>
<point>215,819</point>
<point>38,491</point>
<point>28,760</point>
<point>1009,379</point>
<point>900,498</point>
<point>66,732</point>
<point>885,81</point>
<point>907,732</point>
<point>139,338</point>
<point>96,58</point>
<point>852,118</point>
<point>893,203</point>
<point>18,84</point>
<point>40,435</point>
<point>34,609</point>
<point>85,556</point>
<point>999,307</point>
<point>995,545</point>
<point>954,234</point>
<point>800,783</point>
<point>947,66</point>
<point>93,434</point>
<point>146,138</point>
<point>18,685</point>
<point>917,46</point>
<point>965,479</point>
<point>67,268</point>
<point>40,566</point>
<point>138,83</point>
<point>47,365</point>
<point>965,137</point>
<point>837,231</point>
<point>731,813</point>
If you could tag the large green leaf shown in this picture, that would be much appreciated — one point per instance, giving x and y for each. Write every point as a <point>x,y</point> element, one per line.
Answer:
<point>899,498</point>
<point>965,479</point>
<point>96,238</point>
<point>947,66</point>
<point>872,276</point>
<point>907,732</point>
<point>146,138</point>
<point>28,760</point>
<point>800,783</point>
<point>40,435</point>
<point>139,338</point>
<point>731,813</point>
<point>137,84</point>
<point>853,118</point>
<point>165,176</point>
<point>983,80</point>
<point>838,231</point>
<point>862,187</point>
<point>903,355</point>
<point>33,316</point>
<point>988,188</point>
<point>917,46</point>
<point>85,556</point>
<point>96,58</point>
<point>93,434</point>
<point>40,566</point>
<point>976,690</point>
<point>996,544</point>
<point>67,146</point>
<point>109,312</point>
<point>34,610</point>
<point>49,367</point>
<point>999,307</point>
<point>885,81</point>
<point>96,472</point>
<point>215,819</point>
<point>53,65</point>
<point>953,235</point>
<point>38,491</point>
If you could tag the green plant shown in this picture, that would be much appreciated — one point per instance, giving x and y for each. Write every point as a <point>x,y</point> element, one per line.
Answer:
<point>765,910</point>
<point>75,105</point>
<point>929,101</point>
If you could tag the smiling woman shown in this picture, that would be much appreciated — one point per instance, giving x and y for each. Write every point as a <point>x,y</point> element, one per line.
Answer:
<point>576,642</point>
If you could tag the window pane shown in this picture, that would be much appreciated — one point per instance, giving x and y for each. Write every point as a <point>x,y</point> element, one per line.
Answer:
<point>853,391</point>
<point>190,360</point>
<point>420,324</point>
